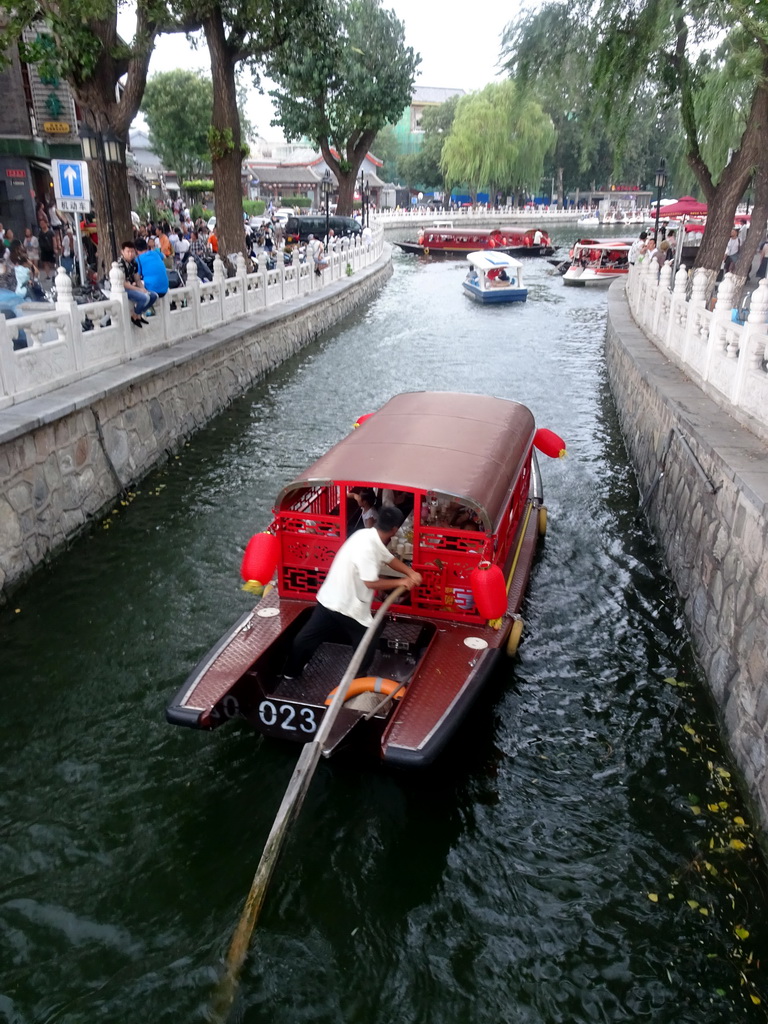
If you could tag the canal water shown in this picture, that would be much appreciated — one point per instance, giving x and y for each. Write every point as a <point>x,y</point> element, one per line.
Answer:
<point>580,855</point>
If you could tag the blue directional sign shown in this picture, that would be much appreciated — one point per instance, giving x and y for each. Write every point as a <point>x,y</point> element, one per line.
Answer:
<point>70,180</point>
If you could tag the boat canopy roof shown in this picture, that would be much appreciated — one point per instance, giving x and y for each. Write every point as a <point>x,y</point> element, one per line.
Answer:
<point>448,233</point>
<point>492,258</point>
<point>604,243</point>
<point>471,447</point>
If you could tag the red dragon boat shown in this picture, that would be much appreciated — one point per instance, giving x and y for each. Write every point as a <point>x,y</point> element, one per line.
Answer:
<point>467,464</point>
<point>450,241</point>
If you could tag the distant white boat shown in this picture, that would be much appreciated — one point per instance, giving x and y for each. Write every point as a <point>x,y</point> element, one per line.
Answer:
<point>494,277</point>
<point>589,220</point>
<point>597,261</point>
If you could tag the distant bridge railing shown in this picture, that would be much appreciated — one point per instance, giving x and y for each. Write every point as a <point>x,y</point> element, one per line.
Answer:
<point>68,341</point>
<point>726,358</point>
<point>417,214</point>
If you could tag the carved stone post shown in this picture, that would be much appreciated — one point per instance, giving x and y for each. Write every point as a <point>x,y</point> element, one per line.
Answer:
<point>117,292</point>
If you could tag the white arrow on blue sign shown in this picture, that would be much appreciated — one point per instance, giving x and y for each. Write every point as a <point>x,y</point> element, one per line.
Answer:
<point>70,179</point>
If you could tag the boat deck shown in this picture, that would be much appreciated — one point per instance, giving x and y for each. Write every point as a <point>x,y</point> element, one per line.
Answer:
<point>393,660</point>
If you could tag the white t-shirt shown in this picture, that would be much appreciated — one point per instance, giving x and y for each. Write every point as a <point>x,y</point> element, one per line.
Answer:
<point>360,557</point>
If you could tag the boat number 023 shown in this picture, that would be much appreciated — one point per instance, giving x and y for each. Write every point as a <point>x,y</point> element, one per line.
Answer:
<point>285,717</point>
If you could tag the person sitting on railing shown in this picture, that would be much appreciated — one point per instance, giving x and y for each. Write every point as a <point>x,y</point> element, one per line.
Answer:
<point>151,267</point>
<point>27,284</point>
<point>196,251</point>
<point>316,251</point>
<point>140,296</point>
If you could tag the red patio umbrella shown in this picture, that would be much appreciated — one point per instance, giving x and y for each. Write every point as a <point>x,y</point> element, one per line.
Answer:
<point>685,207</point>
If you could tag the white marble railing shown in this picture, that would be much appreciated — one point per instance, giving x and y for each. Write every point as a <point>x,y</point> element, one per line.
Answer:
<point>59,350</point>
<point>417,215</point>
<point>726,359</point>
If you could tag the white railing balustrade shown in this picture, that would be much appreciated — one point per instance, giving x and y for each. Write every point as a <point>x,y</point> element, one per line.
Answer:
<point>420,215</point>
<point>49,347</point>
<point>727,359</point>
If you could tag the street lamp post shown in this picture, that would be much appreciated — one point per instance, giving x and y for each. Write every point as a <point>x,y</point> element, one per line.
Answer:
<point>105,148</point>
<point>661,181</point>
<point>365,203</point>
<point>326,185</point>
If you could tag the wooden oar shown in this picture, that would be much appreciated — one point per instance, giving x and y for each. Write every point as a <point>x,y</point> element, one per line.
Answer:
<point>289,808</point>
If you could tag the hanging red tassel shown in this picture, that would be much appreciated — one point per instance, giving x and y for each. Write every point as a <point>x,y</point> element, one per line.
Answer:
<point>260,558</point>
<point>548,442</point>
<point>489,590</point>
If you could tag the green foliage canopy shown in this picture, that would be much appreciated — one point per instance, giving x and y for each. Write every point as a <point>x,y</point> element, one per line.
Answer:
<point>499,138</point>
<point>178,105</point>
<point>345,84</point>
<point>703,59</point>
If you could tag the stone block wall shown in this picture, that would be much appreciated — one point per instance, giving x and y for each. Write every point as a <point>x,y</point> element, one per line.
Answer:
<point>705,482</point>
<point>57,476</point>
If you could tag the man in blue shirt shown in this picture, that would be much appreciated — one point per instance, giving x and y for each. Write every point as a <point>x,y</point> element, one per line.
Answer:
<point>152,268</point>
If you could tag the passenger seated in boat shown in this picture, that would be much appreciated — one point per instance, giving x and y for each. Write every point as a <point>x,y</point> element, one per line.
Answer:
<point>402,500</point>
<point>465,519</point>
<point>365,515</point>
<point>343,609</point>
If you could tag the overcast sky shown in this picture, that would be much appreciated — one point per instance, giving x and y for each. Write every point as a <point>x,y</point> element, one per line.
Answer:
<point>459,47</point>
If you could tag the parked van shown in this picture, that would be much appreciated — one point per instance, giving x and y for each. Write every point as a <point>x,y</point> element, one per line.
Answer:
<point>299,228</point>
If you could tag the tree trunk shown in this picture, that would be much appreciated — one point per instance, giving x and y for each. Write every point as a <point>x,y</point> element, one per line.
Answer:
<point>108,182</point>
<point>104,114</point>
<point>345,203</point>
<point>226,154</point>
<point>560,195</point>
<point>112,203</point>
<point>756,232</point>
<point>723,198</point>
<point>346,171</point>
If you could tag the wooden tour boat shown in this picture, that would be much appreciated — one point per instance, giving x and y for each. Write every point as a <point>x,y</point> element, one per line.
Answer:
<point>468,465</point>
<point>598,261</point>
<point>494,277</point>
<point>442,240</point>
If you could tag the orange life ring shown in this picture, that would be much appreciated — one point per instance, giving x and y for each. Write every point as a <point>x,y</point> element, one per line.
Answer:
<point>368,684</point>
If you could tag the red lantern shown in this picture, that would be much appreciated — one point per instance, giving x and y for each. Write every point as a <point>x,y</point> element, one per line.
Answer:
<point>549,443</point>
<point>361,419</point>
<point>489,590</point>
<point>260,558</point>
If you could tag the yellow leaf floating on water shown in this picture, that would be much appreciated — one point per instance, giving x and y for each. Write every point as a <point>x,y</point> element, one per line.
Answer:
<point>704,911</point>
<point>653,897</point>
<point>695,809</point>
<point>689,730</point>
<point>723,773</point>
<point>741,932</point>
<point>713,807</point>
<point>738,820</point>
<point>722,805</point>
<point>693,904</point>
<point>755,999</point>
<point>736,844</point>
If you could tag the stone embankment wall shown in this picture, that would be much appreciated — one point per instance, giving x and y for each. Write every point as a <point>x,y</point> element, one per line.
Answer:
<point>705,482</point>
<point>67,456</point>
